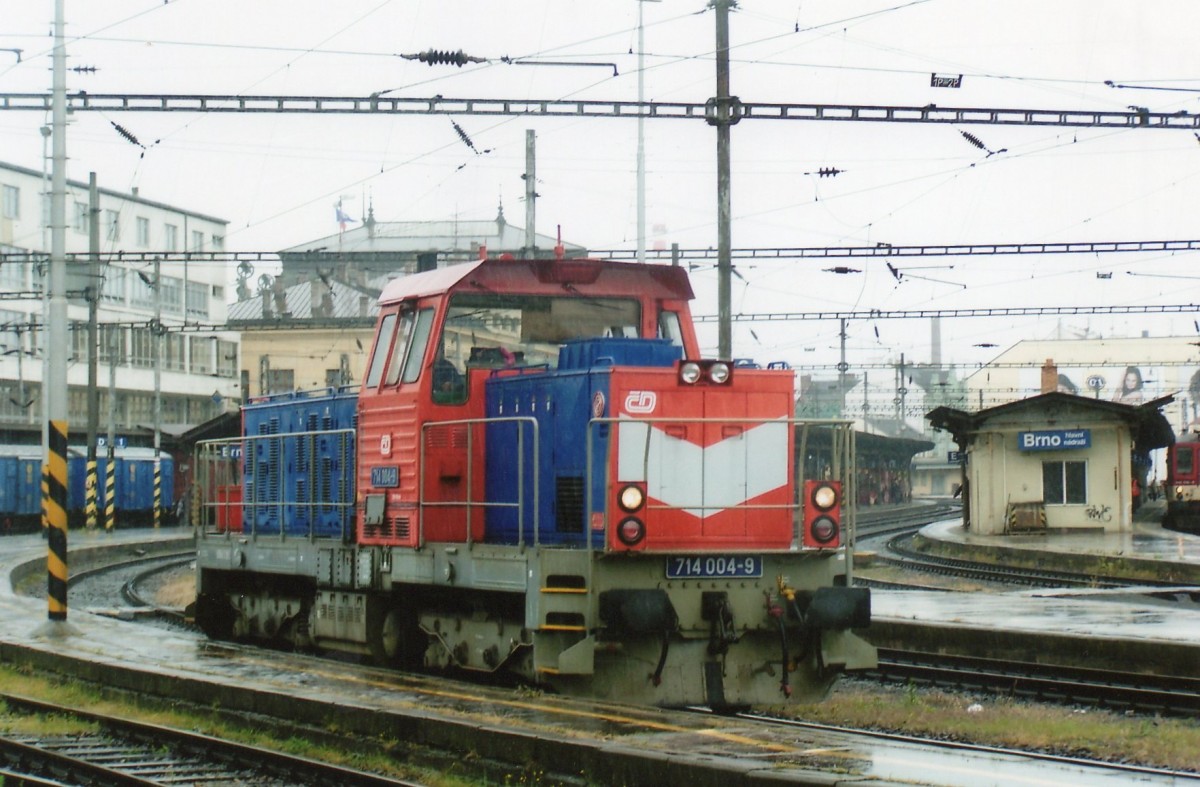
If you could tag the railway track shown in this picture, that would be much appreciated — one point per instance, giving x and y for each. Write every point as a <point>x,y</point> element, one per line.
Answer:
<point>124,752</point>
<point>1069,769</point>
<point>898,554</point>
<point>1136,692</point>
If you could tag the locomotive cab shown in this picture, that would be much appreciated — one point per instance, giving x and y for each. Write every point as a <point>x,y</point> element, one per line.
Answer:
<point>442,336</point>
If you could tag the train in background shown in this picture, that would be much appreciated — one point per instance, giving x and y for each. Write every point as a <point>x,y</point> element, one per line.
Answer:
<point>1183,485</point>
<point>133,493</point>
<point>540,477</point>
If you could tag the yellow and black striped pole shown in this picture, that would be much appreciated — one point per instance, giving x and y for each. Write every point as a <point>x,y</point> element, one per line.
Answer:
<point>110,491</point>
<point>157,491</point>
<point>55,480</point>
<point>45,498</point>
<point>90,502</point>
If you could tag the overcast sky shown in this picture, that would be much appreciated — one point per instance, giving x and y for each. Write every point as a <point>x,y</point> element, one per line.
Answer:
<point>276,178</point>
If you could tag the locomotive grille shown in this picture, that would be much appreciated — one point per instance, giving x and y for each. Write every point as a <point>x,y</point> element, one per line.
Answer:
<point>446,436</point>
<point>568,504</point>
<point>396,528</point>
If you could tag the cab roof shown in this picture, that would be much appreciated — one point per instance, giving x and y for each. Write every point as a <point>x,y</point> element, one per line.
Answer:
<point>586,277</point>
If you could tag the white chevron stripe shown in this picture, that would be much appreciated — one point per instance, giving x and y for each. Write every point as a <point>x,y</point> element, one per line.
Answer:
<point>732,471</point>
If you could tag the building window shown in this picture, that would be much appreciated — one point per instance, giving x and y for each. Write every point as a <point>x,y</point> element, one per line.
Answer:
<point>200,350</point>
<point>79,341</point>
<point>218,243</point>
<point>81,218</point>
<point>141,348</point>
<point>1064,483</point>
<point>142,290</point>
<point>172,293</point>
<point>197,299</point>
<point>112,220</point>
<point>280,381</point>
<point>10,203</point>
<point>113,288</point>
<point>12,273</point>
<point>227,358</point>
<point>143,232</point>
<point>173,360</point>
<point>197,240</point>
<point>112,345</point>
<point>170,237</point>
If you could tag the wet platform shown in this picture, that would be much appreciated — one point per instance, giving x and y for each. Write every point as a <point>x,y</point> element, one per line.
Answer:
<point>1147,541</point>
<point>1103,628</point>
<point>593,742</point>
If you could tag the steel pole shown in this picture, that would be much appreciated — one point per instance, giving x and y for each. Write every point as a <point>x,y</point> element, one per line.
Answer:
<point>724,203</point>
<point>55,383</point>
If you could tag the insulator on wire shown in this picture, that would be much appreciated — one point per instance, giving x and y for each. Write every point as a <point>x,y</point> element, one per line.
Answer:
<point>444,57</point>
<point>974,140</point>
<point>463,136</point>
<point>829,172</point>
<point>127,134</point>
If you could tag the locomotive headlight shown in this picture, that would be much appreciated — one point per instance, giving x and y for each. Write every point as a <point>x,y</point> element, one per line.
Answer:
<point>823,529</point>
<point>719,373</point>
<point>824,497</point>
<point>631,498</point>
<point>631,531</point>
<point>689,372</point>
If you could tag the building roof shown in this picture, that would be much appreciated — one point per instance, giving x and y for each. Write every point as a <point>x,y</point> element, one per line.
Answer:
<point>122,195</point>
<point>1150,428</point>
<point>424,236</point>
<point>297,303</point>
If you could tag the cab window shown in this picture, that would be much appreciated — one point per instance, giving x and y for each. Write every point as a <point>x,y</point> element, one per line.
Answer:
<point>382,343</point>
<point>489,330</point>
<point>420,344</point>
<point>399,348</point>
<point>669,328</point>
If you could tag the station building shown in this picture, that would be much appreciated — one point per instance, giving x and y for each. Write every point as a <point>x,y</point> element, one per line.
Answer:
<point>1054,462</point>
<point>199,361</point>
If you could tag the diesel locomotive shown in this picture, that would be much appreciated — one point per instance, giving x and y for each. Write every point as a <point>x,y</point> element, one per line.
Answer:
<point>1183,485</point>
<point>539,477</point>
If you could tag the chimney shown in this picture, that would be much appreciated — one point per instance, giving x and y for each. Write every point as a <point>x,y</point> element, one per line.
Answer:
<point>1049,376</point>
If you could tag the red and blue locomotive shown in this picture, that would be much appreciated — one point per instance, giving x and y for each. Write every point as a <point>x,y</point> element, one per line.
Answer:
<point>538,477</point>
<point>1183,486</point>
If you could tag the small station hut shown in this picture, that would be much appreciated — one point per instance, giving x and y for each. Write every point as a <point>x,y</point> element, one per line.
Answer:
<point>1054,462</point>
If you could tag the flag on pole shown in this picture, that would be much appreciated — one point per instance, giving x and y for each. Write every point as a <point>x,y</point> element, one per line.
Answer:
<point>342,218</point>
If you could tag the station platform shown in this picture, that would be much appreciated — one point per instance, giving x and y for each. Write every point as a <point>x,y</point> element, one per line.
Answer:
<point>1148,540</point>
<point>1097,627</point>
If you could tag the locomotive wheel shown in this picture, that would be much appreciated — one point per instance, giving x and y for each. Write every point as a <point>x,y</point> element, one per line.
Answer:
<point>393,637</point>
<point>214,616</point>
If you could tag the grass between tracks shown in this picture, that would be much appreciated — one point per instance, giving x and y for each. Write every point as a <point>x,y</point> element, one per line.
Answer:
<point>389,757</point>
<point>1000,721</point>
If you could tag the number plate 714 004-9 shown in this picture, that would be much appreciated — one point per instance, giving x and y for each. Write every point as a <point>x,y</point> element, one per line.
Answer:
<point>733,566</point>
